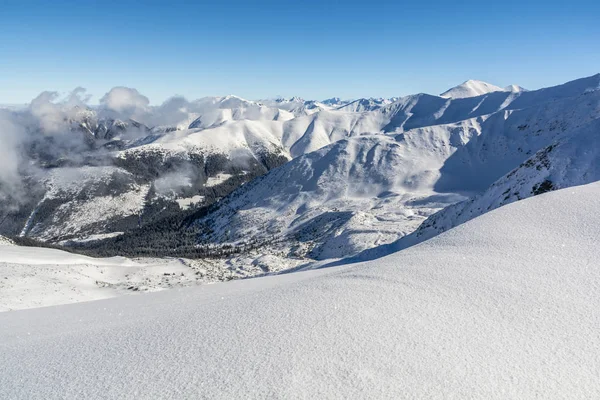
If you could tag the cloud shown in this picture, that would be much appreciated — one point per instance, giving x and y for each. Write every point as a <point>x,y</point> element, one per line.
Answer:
<point>126,102</point>
<point>12,135</point>
<point>67,130</point>
<point>46,113</point>
<point>172,182</point>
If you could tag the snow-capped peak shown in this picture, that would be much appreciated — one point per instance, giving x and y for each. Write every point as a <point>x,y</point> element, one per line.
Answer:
<point>332,101</point>
<point>471,88</point>
<point>295,99</point>
<point>515,88</point>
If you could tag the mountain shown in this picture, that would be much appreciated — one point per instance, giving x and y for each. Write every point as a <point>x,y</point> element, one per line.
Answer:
<point>473,88</point>
<point>362,105</point>
<point>215,111</point>
<point>297,106</point>
<point>572,159</point>
<point>335,102</point>
<point>353,194</point>
<point>504,306</point>
<point>515,88</point>
<point>369,190</point>
<point>143,172</point>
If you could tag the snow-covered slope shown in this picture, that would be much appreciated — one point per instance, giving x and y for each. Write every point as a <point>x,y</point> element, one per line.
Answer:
<point>79,202</point>
<point>573,159</point>
<point>504,306</point>
<point>370,190</point>
<point>335,102</point>
<point>218,110</point>
<point>5,241</point>
<point>297,107</point>
<point>348,196</point>
<point>39,277</point>
<point>515,88</point>
<point>362,105</point>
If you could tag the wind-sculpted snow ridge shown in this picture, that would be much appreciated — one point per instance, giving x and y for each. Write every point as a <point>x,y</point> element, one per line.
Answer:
<point>503,306</point>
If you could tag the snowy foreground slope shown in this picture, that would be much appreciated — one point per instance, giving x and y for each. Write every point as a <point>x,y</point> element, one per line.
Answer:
<point>503,306</point>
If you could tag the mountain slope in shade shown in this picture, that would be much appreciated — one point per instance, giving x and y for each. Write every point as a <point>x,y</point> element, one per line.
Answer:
<point>504,306</point>
<point>573,159</point>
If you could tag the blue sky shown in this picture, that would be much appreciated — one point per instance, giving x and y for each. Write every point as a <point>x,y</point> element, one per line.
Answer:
<point>313,49</point>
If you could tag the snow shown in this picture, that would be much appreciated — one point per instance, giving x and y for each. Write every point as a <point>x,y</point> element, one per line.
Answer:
<point>348,196</point>
<point>514,88</point>
<point>184,204</point>
<point>368,190</point>
<point>5,241</point>
<point>573,158</point>
<point>503,306</point>
<point>472,88</point>
<point>81,209</point>
<point>244,131</point>
<point>38,277</point>
<point>92,238</point>
<point>217,180</point>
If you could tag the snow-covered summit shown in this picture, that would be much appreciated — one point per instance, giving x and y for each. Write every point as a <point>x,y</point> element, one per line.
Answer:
<point>333,101</point>
<point>474,88</point>
<point>471,88</point>
<point>515,88</point>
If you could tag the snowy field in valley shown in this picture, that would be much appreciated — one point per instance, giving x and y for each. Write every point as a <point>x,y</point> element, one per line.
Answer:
<point>38,277</point>
<point>504,306</point>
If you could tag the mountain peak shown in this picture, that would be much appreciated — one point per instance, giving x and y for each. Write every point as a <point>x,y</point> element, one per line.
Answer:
<point>332,101</point>
<point>515,88</point>
<point>471,88</point>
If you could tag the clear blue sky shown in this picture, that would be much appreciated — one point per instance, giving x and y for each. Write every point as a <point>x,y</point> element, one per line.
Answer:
<point>314,49</point>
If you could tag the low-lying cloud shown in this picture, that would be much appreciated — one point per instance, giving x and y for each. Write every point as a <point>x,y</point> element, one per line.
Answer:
<point>53,127</point>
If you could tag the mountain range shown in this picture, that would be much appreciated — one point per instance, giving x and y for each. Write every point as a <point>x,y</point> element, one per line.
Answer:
<point>300,181</point>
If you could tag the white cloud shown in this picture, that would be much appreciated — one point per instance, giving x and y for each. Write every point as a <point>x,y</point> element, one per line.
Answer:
<point>126,101</point>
